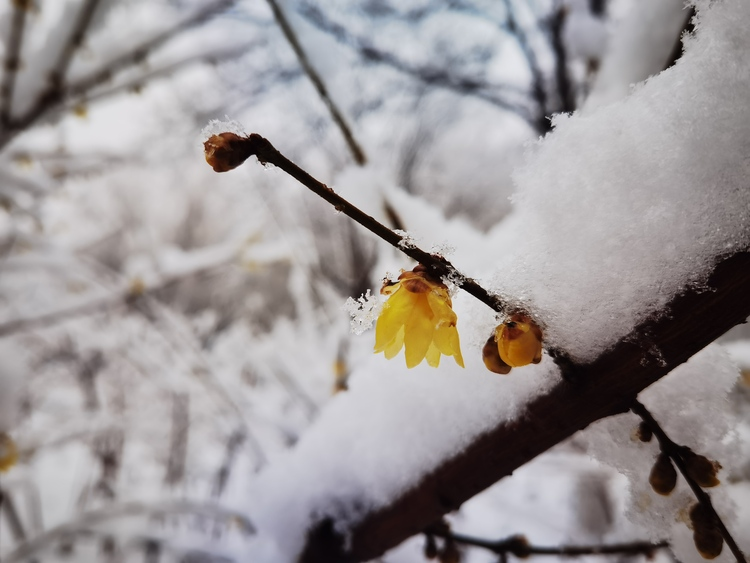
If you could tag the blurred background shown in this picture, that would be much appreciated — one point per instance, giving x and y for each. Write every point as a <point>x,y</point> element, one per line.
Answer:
<point>167,332</point>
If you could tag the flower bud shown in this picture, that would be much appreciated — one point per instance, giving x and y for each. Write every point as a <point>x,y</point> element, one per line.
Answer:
<point>702,470</point>
<point>449,553</point>
<point>706,535</point>
<point>519,341</point>
<point>644,432</point>
<point>430,547</point>
<point>663,477</point>
<point>491,357</point>
<point>225,151</point>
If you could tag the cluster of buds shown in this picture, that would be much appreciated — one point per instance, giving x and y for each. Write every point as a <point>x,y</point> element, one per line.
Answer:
<point>703,471</point>
<point>516,342</point>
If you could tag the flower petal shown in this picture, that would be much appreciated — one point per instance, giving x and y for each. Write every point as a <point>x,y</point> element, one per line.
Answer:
<point>395,345</point>
<point>441,308</point>
<point>396,312</point>
<point>419,331</point>
<point>433,355</point>
<point>446,340</point>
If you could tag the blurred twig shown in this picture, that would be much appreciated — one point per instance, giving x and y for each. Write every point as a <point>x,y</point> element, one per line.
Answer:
<point>354,147</point>
<point>521,548</point>
<point>675,453</point>
<point>178,439</point>
<point>98,517</point>
<point>54,96</point>
<point>12,61</point>
<point>430,75</point>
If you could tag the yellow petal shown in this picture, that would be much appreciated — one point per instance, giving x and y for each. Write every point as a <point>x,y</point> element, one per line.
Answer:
<point>396,312</point>
<point>518,345</point>
<point>419,331</point>
<point>395,345</point>
<point>433,355</point>
<point>441,308</point>
<point>447,341</point>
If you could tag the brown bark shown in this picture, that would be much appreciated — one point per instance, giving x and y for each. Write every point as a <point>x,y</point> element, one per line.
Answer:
<point>589,392</point>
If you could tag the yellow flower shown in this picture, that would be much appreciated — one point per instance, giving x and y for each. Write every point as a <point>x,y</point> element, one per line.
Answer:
<point>515,343</point>
<point>418,317</point>
<point>8,452</point>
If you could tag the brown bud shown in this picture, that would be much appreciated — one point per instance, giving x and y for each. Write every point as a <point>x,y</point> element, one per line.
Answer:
<point>491,357</point>
<point>644,432</point>
<point>430,547</point>
<point>449,553</point>
<point>663,477</point>
<point>709,543</point>
<point>702,470</point>
<point>226,151</point>
<point>706,535</point>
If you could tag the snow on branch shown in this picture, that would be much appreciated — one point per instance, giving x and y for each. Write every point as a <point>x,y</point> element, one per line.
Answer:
<point>590,392</point>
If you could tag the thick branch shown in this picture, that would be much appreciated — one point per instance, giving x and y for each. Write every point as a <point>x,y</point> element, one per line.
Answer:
<point>602,388</point>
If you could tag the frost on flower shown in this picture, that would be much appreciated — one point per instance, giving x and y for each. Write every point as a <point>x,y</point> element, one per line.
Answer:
<point>217,126</point>
<point>363,311</point>
<point>418,317</point>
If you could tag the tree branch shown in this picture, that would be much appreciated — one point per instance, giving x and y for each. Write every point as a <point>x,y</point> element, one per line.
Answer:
<point>605,387</point>
<point>240,149</point>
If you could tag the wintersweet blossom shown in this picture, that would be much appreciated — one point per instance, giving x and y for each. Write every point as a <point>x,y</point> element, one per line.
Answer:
<point>515,343</point>
<point>418,316</point>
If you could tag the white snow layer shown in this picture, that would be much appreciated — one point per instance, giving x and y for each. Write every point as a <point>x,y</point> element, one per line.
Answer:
<point>622,207</point>
<point>616,211</point>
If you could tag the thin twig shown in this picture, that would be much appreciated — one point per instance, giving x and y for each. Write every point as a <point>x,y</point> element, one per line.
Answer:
<point>12,60</point>
<point>122,297</point>
<point>438,266</point>
<point>562,76</point>
<point>312,74</point>
<point>673,450</point>
<point>14,521</point>
<point>520,547</point>
<point>538,91</point>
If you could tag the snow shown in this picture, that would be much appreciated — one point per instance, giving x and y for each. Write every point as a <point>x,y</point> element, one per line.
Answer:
<point>622,201</point>
<point>624,206</point>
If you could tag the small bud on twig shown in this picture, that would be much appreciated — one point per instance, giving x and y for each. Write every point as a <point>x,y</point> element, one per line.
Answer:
<point>702,469</point>
<point>663,477</point>
<point>706,534</point>
<point>225,151</point>
<point>644,432</point>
